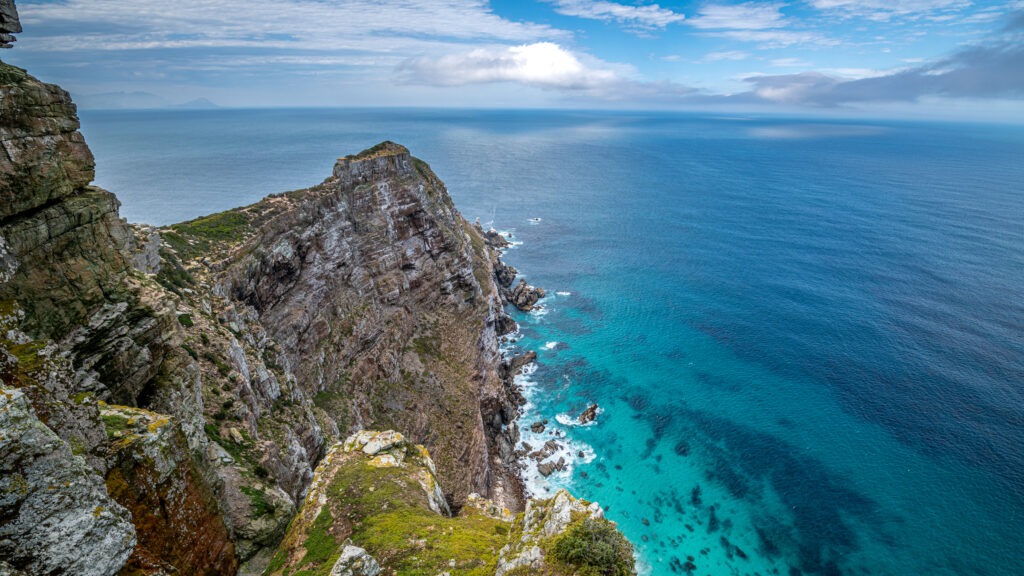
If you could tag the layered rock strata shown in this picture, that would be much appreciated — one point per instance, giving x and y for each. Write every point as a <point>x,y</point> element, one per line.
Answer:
<point>9,22</point>
<point>168,392</point>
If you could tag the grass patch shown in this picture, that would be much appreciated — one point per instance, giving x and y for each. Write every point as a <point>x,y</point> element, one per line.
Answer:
<point>258,499</point>
<point>319,544</point>
<point>186,320</point>
<point>11,74</point>
<point>191,351</point>
<point>221,366</point>
<point>114,423</point>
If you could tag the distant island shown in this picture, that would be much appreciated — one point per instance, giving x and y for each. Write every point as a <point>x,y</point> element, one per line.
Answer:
<point>137,101</point>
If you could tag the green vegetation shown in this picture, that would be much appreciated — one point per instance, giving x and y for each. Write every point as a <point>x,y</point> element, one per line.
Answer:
<point>222,366</point>
<point>191,351</point>
<point>595,547</point>
<point>320,545</point>
<point>260,505</point>
<point>11,74</point>
<point>114,423</point>
<point>427,346</point>
<point>172,274</point>
<point>401,532</point>
<point>186,320</point>
<point>229,226</point>
<point>384,147</point>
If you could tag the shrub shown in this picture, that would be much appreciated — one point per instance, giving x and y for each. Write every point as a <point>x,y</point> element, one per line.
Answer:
<point>596,547</point>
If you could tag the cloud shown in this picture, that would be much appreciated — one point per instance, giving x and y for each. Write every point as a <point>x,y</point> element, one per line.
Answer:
<point>731,55</point>
<point>302,24</point>
<point>989,70</point>
<point>542,64</point>
<point>768,39</point>
<point>754,22</point>
<point>646,17</point>
<point>746,16</point>
<point>884,10</point>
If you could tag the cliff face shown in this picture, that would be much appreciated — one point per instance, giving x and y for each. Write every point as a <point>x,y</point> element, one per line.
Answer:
<point>168,393</point>
<point>380,298</point>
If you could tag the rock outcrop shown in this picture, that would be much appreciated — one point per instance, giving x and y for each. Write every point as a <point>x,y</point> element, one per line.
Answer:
<point>370,506</point>
<point>167,393</point>
<point>8,22</point>
<point>564,523</point>
<point>525,296</point>
<point>53,505</point>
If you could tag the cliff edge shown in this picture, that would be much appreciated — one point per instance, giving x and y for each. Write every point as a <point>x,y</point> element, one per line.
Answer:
<point>172,398</point>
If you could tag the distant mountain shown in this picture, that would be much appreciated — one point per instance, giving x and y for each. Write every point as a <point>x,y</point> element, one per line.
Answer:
<point>197,104</point>
<point>136,100</point>
<point>120,100</point>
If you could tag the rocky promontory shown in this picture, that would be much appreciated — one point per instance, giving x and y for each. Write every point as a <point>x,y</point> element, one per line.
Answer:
<point>174,400</point>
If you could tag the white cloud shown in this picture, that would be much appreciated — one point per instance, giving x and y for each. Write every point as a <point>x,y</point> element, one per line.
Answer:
<point>884,10</point>
<point>301,24</point>
<point>647,16</point>
<point>725,55</point>
<point>542,64</point>
<point>547,66</point>
<point>746,16</point>
<point>767,39</point>
<point>789,63</point>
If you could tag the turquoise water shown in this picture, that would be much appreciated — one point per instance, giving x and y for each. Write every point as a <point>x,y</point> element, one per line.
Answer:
<point>807,337</point>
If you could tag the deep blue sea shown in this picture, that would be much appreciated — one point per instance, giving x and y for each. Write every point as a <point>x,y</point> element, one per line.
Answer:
<point>806,336</point>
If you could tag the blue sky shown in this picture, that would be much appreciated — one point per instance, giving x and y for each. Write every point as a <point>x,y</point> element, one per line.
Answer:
<point>938,58</point>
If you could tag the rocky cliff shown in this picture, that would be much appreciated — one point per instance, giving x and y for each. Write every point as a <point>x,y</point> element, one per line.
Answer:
<point>169,396</point>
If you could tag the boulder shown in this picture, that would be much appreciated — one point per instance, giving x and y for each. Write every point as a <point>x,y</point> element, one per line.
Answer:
<point>589,415</point>
<point>525,296</point>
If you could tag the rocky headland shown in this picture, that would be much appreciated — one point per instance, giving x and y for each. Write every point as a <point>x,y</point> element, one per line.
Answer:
<point>197,398</point>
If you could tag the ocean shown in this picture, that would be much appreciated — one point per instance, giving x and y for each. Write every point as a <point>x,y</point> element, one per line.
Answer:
<point>806,336</point>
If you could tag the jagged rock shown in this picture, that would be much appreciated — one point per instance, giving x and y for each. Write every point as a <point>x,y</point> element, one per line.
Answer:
<point>549,448</point>
<point>543,521</point>
<point>174,509</point>
<point>504,274</point>
<point>348,468</point>
<point>495,239</point>
<point>146,249</point>
<point>8,22</point>
<point>53,504</point>
<point>511,367</point>
<point>525,296</point>
<point>376,291</point>
<point>476,504</point>
<point>588,415</point>
<point>354,561</point>
<point>537,427</point>
<point>504,324</point>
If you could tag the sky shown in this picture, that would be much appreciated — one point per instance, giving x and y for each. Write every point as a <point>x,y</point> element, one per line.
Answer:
<point>920,58</point>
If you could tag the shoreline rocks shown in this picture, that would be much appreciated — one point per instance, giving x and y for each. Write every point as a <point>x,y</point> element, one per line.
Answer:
<point>525,296</point>
<point>589,415</point>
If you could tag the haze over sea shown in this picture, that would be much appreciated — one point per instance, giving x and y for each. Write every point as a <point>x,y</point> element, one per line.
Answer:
<point>807,336</point>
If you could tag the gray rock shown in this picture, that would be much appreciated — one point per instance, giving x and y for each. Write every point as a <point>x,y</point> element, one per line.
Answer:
<point>525,296</point>
<point>61,520</point>
<point>354,561</point>
<point>9,22</point>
